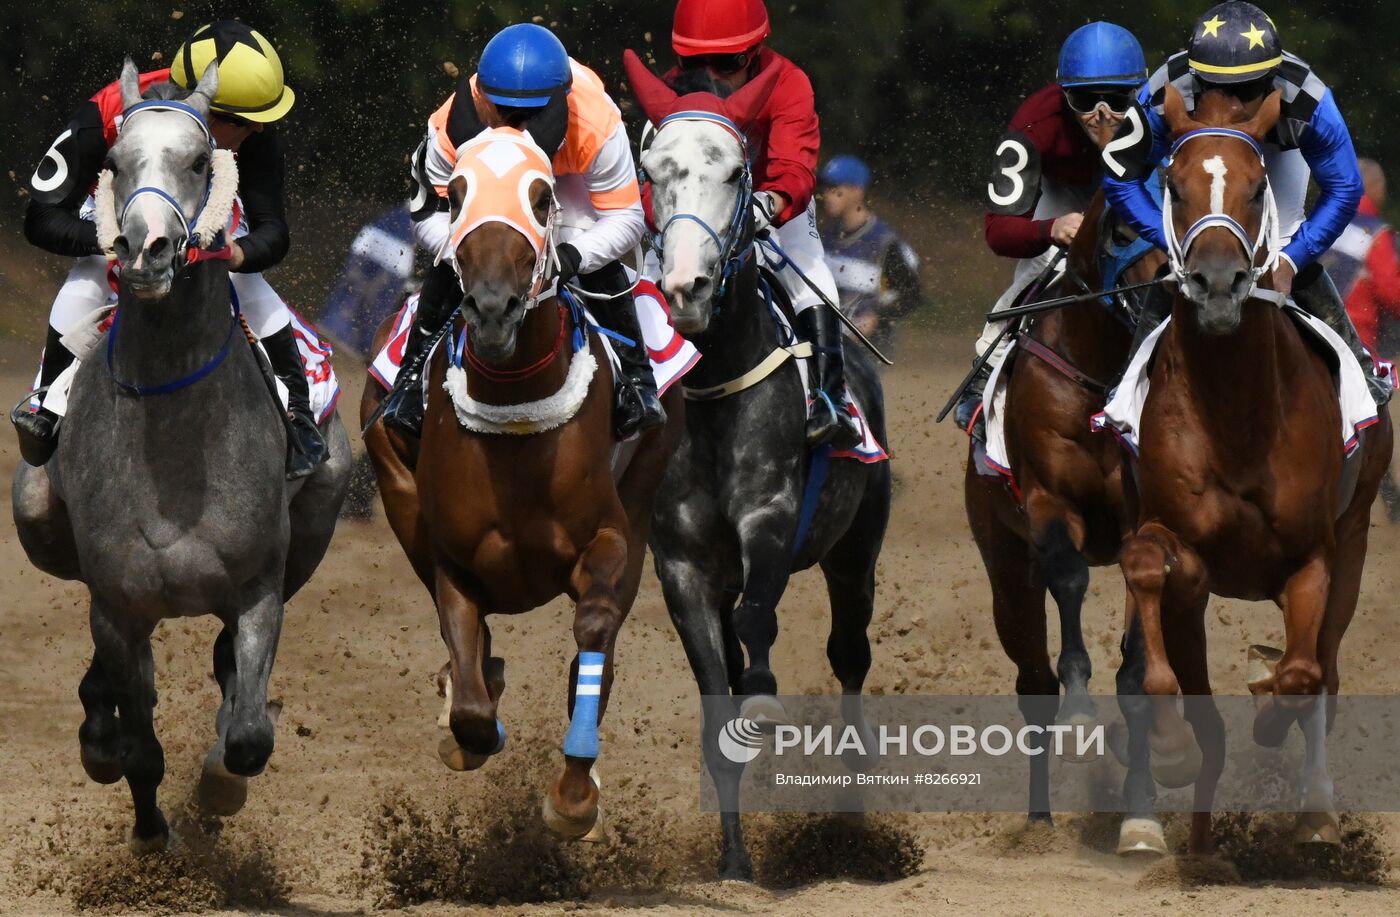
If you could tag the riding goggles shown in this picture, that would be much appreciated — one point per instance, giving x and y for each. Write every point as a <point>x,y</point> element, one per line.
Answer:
<point>1086,101</point>
<point>718,64</point>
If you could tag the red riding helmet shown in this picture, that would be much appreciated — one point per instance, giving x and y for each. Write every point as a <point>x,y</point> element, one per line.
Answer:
<point>718,26</point>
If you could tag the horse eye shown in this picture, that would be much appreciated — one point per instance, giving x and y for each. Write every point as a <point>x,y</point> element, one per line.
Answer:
<point>200,164</point>
<point>1175,195</point>
<point>734,176</point>
<point>1259,195</point>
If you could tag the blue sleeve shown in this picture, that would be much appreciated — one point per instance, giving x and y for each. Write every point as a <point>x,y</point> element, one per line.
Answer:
<point>1131,197</point>
<point>1326,145</point>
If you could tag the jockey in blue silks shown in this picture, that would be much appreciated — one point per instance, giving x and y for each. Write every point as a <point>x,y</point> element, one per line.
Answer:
<point>1236,49</point>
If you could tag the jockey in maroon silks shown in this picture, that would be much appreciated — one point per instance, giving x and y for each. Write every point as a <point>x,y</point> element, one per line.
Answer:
<point>1048,167</point>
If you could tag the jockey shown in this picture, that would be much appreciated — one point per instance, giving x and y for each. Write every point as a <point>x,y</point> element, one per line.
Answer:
<point>1047,170</point>
<point>1236,49</point>
<point>876,271</point>
<point>527,80</point>
<point>250,98</point>
<point>723,39</point>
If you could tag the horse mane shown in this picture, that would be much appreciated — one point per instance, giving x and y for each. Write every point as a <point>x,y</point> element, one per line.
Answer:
<point>166,92</point>
<point>698,79</point>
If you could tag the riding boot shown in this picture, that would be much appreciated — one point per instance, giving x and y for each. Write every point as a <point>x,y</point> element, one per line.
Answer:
<point>638,406</point>
<point>403,407</point>
<point>828,421</point>
<point>1314,290</point>
<point>305,446</point>
<point>38,430</point>
<point>966,415</point>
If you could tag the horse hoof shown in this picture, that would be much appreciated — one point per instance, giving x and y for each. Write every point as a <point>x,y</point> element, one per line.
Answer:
<point>146,846</point>
<point>1141,836</point>
<point>457,757</point>
<point>735,867</point>
<point>1079,713</point>
<point>221,792</point>
<point>1177,767</point>
<point>100,769</point>
<point>1319,828</point>
<point>589,827</point>
<point>765,710</point>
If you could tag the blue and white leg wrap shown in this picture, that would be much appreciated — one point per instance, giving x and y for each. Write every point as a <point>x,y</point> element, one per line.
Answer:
<point>582,740</point>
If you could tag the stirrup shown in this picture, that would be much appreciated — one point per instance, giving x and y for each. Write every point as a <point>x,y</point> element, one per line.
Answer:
<point>36,446</point>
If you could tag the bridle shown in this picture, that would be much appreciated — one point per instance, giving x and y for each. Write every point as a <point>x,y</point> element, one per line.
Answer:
<point>731,253</point>
<point>1266,242</point>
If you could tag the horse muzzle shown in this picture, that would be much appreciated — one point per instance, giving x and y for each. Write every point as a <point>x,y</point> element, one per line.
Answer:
<point>1219,290</point>
<point>493,326</point>
<point>691,304</point>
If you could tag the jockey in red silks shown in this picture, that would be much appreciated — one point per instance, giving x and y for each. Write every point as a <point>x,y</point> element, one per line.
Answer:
<point>720,48</point>
<point>1047,169</point>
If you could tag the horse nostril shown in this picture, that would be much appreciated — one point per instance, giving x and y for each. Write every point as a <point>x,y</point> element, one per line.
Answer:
<point>700,287</point>
<point>122,248</point>
<point>513,303</point>
<point>1197,283</point>
<point>158,247</point>
<point>1240,283</point>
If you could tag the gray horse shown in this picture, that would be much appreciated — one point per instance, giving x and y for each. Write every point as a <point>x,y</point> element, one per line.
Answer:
<point>167,494</point>
<point>726,533</point>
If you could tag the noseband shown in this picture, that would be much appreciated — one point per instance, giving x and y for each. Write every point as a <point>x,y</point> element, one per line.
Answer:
<point>730,255</point>
<point>1268,239</point>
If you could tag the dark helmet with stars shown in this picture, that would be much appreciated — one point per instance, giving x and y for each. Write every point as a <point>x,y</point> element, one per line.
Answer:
<point>1234,42</point>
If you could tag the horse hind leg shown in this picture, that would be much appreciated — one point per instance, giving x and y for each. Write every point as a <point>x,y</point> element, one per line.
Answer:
<point>99,737</point>
<point>571,806</point>
<point>123,650</point>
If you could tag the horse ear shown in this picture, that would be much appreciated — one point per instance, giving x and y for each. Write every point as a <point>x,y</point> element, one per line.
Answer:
<point>1266,117</point>
<point>746,104</point>
<point>205,91</point>
<point>1174,107</point>
<point>656,98</point>
<point>130,83</point>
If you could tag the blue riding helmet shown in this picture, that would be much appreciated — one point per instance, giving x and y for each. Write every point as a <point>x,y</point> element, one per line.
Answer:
<point>1101,54</point>
<point>846,170</point>
<point>523,66</point>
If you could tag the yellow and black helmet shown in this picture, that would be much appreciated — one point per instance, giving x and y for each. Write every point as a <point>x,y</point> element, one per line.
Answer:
<point>250,72</point>
<point>1234,42</point>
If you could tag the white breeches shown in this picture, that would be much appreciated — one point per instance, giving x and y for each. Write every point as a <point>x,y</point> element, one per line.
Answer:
<point>799,239</point>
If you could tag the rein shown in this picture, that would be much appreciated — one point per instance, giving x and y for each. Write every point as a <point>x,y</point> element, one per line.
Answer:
<point>1266,242</point>
<point>174,385</point>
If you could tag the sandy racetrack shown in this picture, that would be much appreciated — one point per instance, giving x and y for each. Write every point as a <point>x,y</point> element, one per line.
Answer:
<point>356,810</point>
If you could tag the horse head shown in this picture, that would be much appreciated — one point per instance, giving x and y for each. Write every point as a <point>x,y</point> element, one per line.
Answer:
<point>701,184</point>
<point>502,214</point>
<point>159,169</point>
<point>1220,217</point>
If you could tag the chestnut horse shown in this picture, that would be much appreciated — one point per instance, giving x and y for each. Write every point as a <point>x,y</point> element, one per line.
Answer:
<point>1240,489</point>
<point>1069,511</point>
<point>501,516</point>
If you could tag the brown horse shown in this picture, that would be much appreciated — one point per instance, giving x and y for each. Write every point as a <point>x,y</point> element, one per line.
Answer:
<point>1068,513</point>
<point>505,520</point>
<point>1241,488</point>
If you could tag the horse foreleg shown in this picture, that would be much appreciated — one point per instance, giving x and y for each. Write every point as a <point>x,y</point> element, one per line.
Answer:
<point>571,805</point>
<point>1163,576</point>
<point>1186,646</point>
<point>248,737</point>
<point>1058,534</point>
<point>99,737</point>
<point>124,652</point>
<point>220,791</point>
<point>1141,830</point>
<point>476,732</point>
<point>767,564</point>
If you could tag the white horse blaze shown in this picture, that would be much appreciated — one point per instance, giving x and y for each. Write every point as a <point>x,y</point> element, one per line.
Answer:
<point>1215,168</point>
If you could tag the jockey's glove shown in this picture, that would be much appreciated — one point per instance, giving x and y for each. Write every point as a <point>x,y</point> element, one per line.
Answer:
<point>765,210</point>
<point>569,261</point>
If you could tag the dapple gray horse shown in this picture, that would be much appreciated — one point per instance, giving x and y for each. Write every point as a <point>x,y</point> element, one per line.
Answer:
<point>174,503</point>
<point>725,528</point>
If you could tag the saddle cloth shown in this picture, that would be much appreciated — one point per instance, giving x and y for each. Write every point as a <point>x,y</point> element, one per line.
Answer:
<point>672,356</point>
<point>1122,416</point>
<point>315,352</point>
